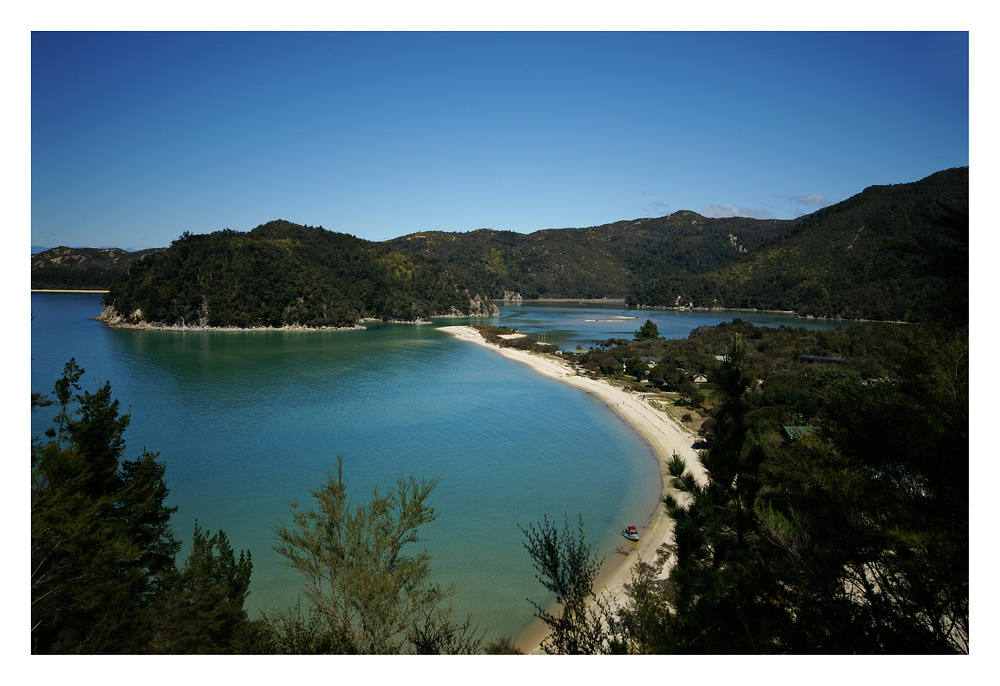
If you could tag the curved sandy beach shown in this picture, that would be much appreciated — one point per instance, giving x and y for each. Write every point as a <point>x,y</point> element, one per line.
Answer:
<point>665,436</point>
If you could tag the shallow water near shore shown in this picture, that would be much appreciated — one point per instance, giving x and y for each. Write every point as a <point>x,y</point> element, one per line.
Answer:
<point>582,323</point>
<point>247,422</point>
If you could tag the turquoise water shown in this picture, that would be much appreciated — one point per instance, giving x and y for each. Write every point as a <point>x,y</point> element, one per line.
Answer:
<point>568,325</point>
<point>248,422</point>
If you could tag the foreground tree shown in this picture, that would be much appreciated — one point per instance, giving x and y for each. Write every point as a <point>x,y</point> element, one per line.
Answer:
<point>720,586</point>
<point>868,521</point>
<point>101,544</point>
<point>366,595</point>
<point>567,568</point>
<point>201,611</point>
<point>853,538</point>
<point>103,572</point>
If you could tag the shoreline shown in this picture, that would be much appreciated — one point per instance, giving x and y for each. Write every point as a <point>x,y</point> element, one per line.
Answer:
<point>65,290</point>
<point>686,308</point>
<point>198,328</point>
<point>664,436</point>
<point>112,319</point>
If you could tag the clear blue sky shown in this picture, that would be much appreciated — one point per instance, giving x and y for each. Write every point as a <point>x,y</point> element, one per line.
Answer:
<point>136,138</point>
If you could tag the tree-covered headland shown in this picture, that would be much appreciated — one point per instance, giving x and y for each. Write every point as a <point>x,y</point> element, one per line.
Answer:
<point>65,268</point>
<point>283,274</point>
<point>881,254</point>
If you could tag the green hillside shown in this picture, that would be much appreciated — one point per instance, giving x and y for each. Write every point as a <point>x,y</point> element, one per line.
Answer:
<point>891,253</point>
<point>82,268</point>
<point>608,261</point>
<point>281,274</point>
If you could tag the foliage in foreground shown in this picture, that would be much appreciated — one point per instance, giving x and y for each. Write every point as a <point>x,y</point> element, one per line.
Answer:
<point>103,571</point>
<point>365,595</point>
<point>105,580</point>
<point>567,568</point>
<point>852,539</point>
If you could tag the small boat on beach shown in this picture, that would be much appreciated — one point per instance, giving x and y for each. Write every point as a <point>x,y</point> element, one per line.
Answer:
<point>631,533</point>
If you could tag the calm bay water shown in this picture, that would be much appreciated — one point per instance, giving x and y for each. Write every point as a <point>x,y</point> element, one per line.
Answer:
<point>248,422</point>
<point>571,324</point>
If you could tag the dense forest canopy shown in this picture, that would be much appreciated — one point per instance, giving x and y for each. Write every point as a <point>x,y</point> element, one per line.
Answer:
<point>598,262</point>
<point>282,274</point>
<point>889,253</point>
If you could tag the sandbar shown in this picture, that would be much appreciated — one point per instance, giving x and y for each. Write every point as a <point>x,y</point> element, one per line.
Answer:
<point>663,434</point>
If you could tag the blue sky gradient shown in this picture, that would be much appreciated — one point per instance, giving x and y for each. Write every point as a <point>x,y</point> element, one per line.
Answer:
<point>138,137</point>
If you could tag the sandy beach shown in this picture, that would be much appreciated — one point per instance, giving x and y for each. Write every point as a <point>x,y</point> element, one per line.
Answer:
<point>664,435</point>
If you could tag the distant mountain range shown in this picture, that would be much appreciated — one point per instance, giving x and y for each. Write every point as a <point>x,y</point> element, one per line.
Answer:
<point>82,268</point>
<point>895,252</point>
<point>35,249</point>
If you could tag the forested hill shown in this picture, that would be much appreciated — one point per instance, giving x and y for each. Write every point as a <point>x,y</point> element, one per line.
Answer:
<point>896,252</point>
<point>882,254</point>
<point>285,274</point>
<point>82,268</point>
<point>607,261</point>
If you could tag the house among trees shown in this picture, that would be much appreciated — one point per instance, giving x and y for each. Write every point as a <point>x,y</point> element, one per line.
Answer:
<point>794,433</point>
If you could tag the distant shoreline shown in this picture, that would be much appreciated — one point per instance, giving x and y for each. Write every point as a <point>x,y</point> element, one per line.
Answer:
<point>609,301</point>
<point>64,290</point>
<point>665,308</point>
<point>523,301</point>
<point>112,319</point>
<point>663,435</point>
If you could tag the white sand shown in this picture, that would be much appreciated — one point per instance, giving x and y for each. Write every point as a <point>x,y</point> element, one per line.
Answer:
<point>661,432</point>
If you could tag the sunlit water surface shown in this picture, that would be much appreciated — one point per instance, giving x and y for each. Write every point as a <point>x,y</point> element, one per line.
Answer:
<point>248,422</point>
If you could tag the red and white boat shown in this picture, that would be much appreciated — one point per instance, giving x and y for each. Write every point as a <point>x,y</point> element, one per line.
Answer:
<point>631,533</point>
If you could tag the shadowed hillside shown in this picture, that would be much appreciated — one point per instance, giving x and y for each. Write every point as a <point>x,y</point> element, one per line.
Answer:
<point>889,253</point>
